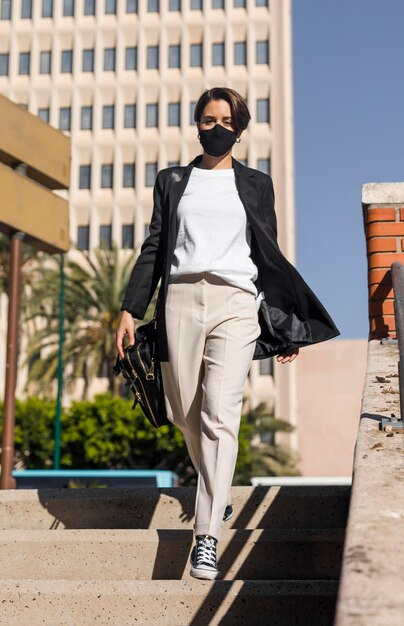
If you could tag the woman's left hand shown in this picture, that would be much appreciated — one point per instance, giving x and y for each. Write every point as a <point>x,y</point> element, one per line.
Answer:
<point>288,356</point>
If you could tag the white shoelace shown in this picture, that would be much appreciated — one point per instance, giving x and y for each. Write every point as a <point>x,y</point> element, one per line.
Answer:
<point>205,551</point>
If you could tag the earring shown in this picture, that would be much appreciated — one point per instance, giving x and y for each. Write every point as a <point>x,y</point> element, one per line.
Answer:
<point>238,139</point>
<point>199,136</point>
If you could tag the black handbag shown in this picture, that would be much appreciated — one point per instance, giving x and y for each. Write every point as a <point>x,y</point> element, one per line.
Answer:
<point>141,370</point>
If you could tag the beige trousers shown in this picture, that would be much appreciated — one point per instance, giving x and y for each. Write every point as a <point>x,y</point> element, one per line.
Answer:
<point>212,327</point>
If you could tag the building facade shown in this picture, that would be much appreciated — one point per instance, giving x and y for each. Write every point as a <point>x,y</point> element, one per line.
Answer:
<point>122,77</point>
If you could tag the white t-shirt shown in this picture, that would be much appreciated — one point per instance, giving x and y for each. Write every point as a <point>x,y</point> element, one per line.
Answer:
<point>212,227</point>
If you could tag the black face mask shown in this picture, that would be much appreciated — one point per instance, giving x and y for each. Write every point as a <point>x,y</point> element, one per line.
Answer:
<point>217,140</point>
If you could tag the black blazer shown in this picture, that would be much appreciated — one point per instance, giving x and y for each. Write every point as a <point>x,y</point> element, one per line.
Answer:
<point>290,315</point>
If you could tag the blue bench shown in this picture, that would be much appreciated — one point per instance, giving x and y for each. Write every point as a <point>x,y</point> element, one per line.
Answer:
<point>37,479</point>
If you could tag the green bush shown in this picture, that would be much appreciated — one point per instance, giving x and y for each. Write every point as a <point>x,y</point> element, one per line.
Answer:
<point>101,434</point>
<point>106,433</point>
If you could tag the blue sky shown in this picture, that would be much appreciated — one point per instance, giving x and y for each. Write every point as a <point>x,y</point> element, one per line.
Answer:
<point>348,65</point>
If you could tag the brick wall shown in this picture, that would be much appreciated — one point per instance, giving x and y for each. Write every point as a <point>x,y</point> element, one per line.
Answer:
<point>383,215</point>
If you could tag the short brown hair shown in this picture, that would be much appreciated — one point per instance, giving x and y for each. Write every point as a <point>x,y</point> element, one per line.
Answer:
<point>238,106</point>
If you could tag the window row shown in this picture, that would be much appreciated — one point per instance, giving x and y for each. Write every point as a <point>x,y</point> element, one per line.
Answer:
<point>129,173</point>
<point>262,115</point>
<point>152,60</point>
<point>110,7</point>
<point>105,236</point>
<point>107,176</point>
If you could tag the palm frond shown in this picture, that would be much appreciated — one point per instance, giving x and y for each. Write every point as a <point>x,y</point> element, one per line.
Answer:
<point>93,293</point>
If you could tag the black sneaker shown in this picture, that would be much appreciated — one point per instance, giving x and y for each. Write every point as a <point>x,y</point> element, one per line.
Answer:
<point>228,512</point>
<point>203,558</point>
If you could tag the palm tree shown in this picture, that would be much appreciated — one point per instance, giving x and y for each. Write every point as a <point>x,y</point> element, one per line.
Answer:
<point>94,290</point>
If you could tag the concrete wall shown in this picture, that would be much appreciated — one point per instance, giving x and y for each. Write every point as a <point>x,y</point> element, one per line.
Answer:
<point>330,379</point>
<point>372,577</point>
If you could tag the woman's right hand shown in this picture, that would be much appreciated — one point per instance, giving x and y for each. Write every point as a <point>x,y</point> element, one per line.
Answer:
<point>126,327</point>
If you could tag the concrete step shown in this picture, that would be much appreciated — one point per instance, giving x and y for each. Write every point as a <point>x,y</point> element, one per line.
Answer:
<point>170,603</point>
<point>258,507</point>
<point>164,554</point>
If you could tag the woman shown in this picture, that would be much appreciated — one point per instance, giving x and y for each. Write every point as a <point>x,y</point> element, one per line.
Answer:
<point>228,296</point>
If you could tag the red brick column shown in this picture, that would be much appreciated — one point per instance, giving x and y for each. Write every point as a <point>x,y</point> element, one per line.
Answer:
<point>384,230</point>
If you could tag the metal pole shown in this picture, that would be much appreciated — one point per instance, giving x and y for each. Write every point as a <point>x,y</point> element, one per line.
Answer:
<point>397,277</point>
<point>56,461</point>
<point>7,450</point>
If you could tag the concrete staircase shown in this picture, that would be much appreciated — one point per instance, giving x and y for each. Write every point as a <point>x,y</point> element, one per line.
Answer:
<point>121,557</point>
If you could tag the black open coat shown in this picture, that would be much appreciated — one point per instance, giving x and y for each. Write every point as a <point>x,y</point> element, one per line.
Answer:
<point>290,315</point>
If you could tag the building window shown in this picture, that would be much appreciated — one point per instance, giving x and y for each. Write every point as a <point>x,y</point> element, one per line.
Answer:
<point>106,236</point>
<point>130,116</point>
<point>153,6</point>
<point>218,54</point>
<point>240,4</point>
<point>243,161</point>
<point>262,52</point>
<point>151,173</point>
<point>5,63</point>
<point>196,55</point>
<point>83,237</point>
<point>43,114</point>
<point>65,114</point>
<point>146,230</point>
<point>266,367</point>
<point>88,60</point>
<point>85,177</point>
<point>45,62</point>
<point>264,165</point>
<point>110,7</point>
<point>174,55</point>
<point>89,7</point>
<point>174,5</point>
<point>261,3</point>
<point>196,5</point>
<point>192,106</point>
<point>24,63</point>
<point>263,110</point>
<point>129,172</point>
<point>128,236</point>
<point>26,9</point>
<point>240,53</point>
<point>174,114</point>
<point>217,4</point>
<point>5,10</point>
<point>131,6</point>
<point>153,57</point>
<point>67,61</point>
<point>109,59</point>
<point>86,118</point>
<point>47,8</point>
<point>108,115</point>
<point>172,163</point>
<point>107,171</point>
<point>131,58</point>
<point>68,8</point>
<point>152,114</point>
